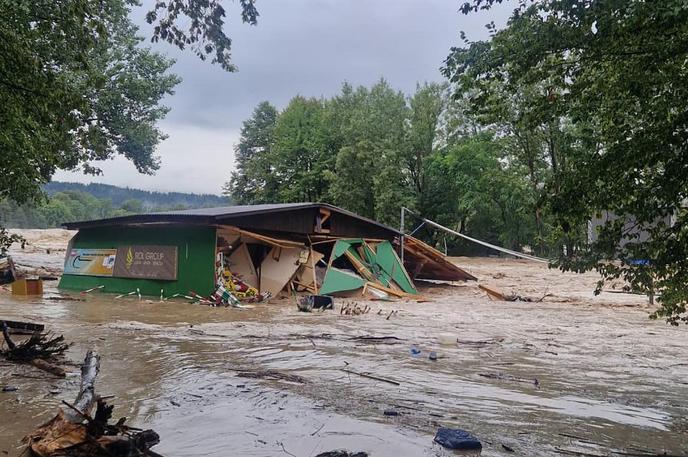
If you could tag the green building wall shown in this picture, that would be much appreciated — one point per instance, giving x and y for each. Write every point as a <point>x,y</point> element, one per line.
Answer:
<point>195,263</point>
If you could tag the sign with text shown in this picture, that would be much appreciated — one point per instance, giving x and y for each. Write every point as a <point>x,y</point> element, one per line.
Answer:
<point>146,262</point>
<point>90,262</point>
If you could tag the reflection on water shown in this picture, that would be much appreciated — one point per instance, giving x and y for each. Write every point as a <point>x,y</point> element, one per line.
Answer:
<point>606,379</point>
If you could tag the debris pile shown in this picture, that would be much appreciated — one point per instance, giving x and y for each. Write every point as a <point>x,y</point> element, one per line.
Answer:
<point>40,349</point>
<point>74,432</point>
<point>252,267</point>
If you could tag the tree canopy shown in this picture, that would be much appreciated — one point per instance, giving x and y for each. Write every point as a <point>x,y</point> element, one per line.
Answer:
<point>78,87</point>
<point>599,85</point>
<point>374,149</point>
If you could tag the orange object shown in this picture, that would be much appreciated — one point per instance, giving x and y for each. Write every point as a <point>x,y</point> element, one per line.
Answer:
<point>26,286</point>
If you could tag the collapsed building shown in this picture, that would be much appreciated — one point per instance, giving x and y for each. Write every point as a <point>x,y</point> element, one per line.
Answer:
<point>250,253</point>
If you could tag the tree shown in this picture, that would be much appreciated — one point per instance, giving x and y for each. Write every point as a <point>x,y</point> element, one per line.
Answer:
<point>301,160</point>
<point>427,106</point>
<point>253,180</point>
<point>614,71</point>
<point>369,127</point>
<point>133,206</point>
<point>76,86</point>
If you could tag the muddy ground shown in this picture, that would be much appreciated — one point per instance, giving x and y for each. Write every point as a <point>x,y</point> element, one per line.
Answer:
<point>571,375</point>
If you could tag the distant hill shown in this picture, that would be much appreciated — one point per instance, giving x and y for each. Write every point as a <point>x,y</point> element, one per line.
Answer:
<point>119,195</point>
<point>71,202</point>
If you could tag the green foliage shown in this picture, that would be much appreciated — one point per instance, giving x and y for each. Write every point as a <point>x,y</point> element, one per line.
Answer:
<point>299,156</point>
<point>367,127</point>
<point>199,25</point>
<point>75,87</point>
<point>600,87</point>
<point>7,239</point>
<point>253,180</point>
<point>373,150</point>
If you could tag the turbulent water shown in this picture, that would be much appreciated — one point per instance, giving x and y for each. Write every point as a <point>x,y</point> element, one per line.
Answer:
<point>538,378</point>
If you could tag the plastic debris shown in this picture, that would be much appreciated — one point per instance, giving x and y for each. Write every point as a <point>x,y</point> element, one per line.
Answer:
<point>455,438</point>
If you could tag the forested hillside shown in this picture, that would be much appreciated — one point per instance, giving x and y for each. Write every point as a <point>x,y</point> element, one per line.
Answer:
<point>118,195</point>
<point>69,202</point>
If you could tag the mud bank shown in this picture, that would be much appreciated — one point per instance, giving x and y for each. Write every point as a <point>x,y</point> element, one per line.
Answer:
<point>574,373</point>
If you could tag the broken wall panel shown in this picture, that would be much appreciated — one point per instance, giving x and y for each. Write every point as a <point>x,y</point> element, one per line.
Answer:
<point>278,268</point>
<point>337,280</point>
<point>388,260</point>
<point>306,275</point>
<point>241,265</point>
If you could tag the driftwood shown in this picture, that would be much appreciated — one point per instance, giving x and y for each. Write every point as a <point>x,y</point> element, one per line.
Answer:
<point>74,432</point>
<point>376,378</point>
<point>49,367</point>
<point>494,294</point>
<point>26,326</point>
<point>342,454</point>
<point>38,350</point>
<point>274,375</point>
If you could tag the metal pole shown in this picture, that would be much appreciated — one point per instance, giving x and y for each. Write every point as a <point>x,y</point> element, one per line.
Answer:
<point>401,239</point>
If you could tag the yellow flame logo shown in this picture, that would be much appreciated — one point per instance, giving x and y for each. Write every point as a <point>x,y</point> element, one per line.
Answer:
<point>130,258</point>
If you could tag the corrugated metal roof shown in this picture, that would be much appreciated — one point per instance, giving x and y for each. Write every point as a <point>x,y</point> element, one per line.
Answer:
<point>221,211</point>
<point>215,215</point>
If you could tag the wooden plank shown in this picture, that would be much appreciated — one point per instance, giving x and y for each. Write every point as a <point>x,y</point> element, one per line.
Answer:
<point>313,262</point>
<point>360,267</point>
<point>29,326</point>
<point>397,293</point>
<point>492,293</point>
<point>286,244</point>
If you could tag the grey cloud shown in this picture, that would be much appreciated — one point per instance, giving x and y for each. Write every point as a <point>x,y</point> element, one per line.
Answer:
<point>306,47</point>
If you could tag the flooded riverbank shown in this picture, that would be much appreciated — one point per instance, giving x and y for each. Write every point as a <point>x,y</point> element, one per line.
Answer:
<point>574,373</point>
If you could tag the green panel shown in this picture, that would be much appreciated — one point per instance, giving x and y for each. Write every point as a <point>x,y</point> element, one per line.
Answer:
<point>342,245</point>
<point>195,264</point>
<point>373,265</point>
<point>388,261</point>
<point>340,281</point>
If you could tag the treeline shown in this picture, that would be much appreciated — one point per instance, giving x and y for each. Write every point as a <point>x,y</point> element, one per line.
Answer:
<point>150,199</point>
<point>75,205</point>
<point>373,150</point>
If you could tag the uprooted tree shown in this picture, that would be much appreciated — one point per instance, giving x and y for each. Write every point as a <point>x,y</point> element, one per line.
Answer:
<point>604,82</point>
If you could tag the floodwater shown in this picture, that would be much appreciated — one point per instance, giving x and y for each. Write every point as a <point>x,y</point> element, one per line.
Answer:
<point>572,375</point>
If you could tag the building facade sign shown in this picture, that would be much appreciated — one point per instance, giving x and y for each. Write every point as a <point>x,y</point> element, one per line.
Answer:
<point>146,262</point>
<point>90,262</point>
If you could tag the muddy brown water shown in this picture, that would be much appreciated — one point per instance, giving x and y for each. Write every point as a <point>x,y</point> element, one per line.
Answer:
<point>608,378</point>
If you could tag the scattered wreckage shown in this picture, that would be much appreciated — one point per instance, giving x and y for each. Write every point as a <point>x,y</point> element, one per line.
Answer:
<point>242,254</point>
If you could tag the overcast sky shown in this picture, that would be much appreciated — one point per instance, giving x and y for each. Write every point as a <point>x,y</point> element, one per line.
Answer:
<point>306,47</point>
